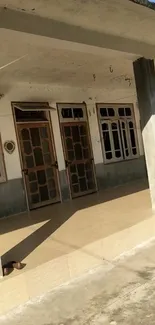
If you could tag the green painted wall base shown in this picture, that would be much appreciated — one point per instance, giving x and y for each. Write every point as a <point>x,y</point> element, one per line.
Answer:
<point>119,173</point>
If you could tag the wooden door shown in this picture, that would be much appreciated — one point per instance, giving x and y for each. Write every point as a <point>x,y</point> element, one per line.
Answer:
<point>38,164</point>
<point>78,158</point>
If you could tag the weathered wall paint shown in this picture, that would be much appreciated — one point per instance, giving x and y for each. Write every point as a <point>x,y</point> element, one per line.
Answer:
<point>54,94</point>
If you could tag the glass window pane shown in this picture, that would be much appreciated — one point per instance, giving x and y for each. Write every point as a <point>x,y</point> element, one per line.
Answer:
<point>38,157</point>
<point>108,155</point>
<point>75,133</point>
<point>77,112</point>
<point>73,168</point>
<point>132,137</point>
<point>53,194</point>
<point>111,112</point>
<point>35,198</point>
<point>88,166</point>
<point>114,126</point>
<point>89,175</point>
<point>43,132</point>
<point>41,177</point>
<point>69,144</point>
<point>45,146</point>
<point>78,151</point>
<point>91,185</point>
<point>29,115</point>
<point>74,179</point>
<point>25,134</point>
<point>125,138</point>
<point>134,151</point>
<point>121,111</point>
<point>51,184</point>
<point>103,111</point>
<point>130,125</point>
<point>27,147</point>
<point>49,173</point>
<point>32,176</point>
<point>116,140</point>
<point>123,125</point>
<point>83,184</point>
<point>85,153</point>
<point>71,155</point>
<point>33,187</point>
<point>29,161</point>
<point>118,154</point>
<point>47,159</point>
<point>43,190</point>
<point>67,131</point>
<point>84,142</point>
<point>35,136</point>
<point>106,139</point>
<point>66,113</point>
<point>80,170</point>
<point>105,126</point>
<point>75,188</point>
<point>128,111</point>
<point>83,130</point>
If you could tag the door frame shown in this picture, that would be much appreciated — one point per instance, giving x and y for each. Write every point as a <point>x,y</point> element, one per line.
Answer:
<point>20,152</point>
<point>69,121</point>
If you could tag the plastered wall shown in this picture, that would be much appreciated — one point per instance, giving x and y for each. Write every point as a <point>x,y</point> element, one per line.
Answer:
<point>54,94</point>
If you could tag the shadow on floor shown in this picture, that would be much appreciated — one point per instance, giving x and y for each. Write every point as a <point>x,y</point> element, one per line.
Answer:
<point>57,215</point>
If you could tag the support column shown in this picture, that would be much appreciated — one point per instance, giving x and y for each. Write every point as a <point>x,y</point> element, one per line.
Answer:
<point>144,71</point>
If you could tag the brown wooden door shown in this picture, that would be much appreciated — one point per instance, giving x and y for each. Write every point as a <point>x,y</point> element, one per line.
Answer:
<point>78,157</point>
<point>38,164</point>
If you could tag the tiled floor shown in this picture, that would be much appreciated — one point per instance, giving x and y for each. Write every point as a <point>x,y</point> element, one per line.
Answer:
<point>51,232</point>
<point>61,242</point>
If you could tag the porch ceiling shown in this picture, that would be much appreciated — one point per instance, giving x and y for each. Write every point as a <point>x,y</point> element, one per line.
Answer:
<point>116,24</point>
<point>45,64</point>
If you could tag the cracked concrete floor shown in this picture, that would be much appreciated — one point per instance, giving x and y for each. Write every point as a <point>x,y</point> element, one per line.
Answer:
<point>121,292</point>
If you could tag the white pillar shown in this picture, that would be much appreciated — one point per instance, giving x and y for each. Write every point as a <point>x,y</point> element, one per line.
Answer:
<point>145,82</point>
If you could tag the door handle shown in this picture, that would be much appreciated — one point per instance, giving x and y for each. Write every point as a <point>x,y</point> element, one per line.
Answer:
<point>25,171</point>
<point>55,165</point>
<point>67,163</point>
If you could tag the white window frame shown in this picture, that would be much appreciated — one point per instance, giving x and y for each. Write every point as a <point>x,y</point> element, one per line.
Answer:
<point>118,120</point>
<point>72,107</point>
<point>112,151</point>
<point>2,164</point>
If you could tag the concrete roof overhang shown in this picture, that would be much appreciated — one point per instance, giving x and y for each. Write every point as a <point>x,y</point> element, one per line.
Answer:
<point>116,24</point>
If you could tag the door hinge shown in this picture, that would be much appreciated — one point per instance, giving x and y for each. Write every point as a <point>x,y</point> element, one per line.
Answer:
<point>25,171</point>
<point>55,165</point>
<point>67,163</point>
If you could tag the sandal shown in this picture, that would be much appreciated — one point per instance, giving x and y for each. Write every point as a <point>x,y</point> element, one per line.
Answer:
<point>10,266</point>
<point>7,268</point>
<point>17,265</point>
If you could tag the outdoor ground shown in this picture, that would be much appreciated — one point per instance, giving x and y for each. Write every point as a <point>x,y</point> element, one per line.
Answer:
<point>119,292</point>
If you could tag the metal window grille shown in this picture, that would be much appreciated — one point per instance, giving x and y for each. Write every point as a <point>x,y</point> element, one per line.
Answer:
<point>118,132</point>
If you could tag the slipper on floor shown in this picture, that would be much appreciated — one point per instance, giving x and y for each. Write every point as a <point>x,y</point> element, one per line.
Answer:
<point>7,269</point>
<point>17,265</point>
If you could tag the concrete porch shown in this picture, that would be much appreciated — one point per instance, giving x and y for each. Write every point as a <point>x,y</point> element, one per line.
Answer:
<point>63,241</point>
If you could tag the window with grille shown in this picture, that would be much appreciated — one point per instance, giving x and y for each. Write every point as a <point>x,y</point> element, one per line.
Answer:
<point>72,112</point>
<point>2,166</point>
<point>118,132</point>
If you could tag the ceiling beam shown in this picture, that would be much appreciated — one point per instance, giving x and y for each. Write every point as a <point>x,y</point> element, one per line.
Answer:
<point>50,28</point>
